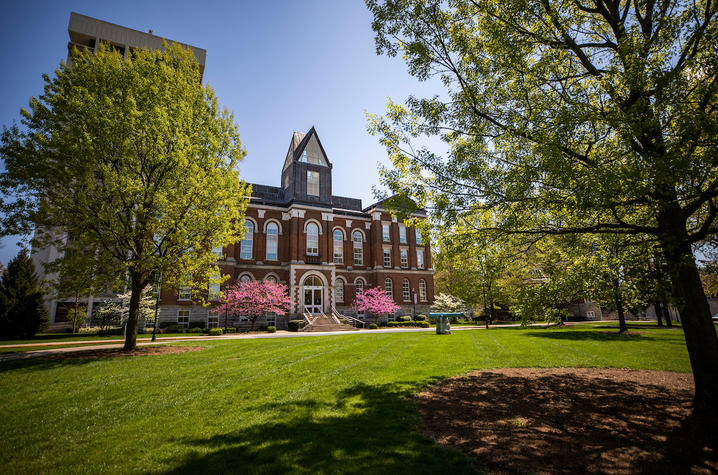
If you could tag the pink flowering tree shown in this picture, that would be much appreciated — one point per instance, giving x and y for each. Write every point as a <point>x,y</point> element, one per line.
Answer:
<point>374,301</point>
<point>256,298</point>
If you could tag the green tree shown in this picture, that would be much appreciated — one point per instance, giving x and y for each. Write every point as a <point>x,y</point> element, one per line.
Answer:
<point>133,159</point>
<point>566,116</point>
<point>22,312</point>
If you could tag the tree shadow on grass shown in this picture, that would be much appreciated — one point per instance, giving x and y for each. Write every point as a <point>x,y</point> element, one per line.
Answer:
<point>571,421</point>
<point>374,432</point>
<point>40,363</point>
<point>592,335</point>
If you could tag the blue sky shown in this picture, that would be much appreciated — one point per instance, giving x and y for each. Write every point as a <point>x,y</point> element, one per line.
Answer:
<point>280,66</point>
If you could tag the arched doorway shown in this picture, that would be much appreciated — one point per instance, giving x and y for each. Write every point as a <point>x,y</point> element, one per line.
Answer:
<point>313,295</point>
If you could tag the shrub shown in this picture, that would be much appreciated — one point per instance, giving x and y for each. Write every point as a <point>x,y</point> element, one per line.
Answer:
<point>195,330</point>
<point>373,326</point>
<point>295,325</point>
<point>405,318</point>
<point>423,324</point>
<point>420,318</point>
<point>166,324</point>
<point>174,328</point>
<point>231,329</point>
<point>272,329</point>
<point>195,325</point>
<point>262,328</point>
<point>216,331</point>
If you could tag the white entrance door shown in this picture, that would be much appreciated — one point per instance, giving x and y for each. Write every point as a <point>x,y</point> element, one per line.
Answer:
<point>313,295</point>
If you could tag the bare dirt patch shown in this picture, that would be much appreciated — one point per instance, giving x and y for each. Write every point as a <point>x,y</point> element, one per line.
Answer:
<point>117,352</point>
<point>572,420</point>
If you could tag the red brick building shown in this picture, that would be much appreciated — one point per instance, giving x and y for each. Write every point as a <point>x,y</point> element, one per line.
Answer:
<point>323,247</point>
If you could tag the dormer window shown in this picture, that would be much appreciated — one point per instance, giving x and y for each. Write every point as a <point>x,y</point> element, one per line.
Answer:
<point>312,183</point>
<point>304,157</point>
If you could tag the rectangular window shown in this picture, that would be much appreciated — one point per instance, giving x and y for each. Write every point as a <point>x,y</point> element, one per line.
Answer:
<point>385,236</point>
<point>213,292</point>
<point>405,291</point>
<point>402,234</point>
<point>217,251</point>
<point>213,319</point>
<point>183,318</point>
<point>312,183</point>
<point>387,257</point>
<point>404,258</point>
<point>247,241</point>
<point>338,247</point>
<point>185,293</point>
<point>271,320</point>
<point>420,259</point>
<point>358,249</point>
<point>422,290</point>
<point>419,238</point>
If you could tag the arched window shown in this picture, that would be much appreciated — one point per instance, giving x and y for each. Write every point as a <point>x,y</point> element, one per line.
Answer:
<point>245,278</point>
<point>338,246</point>
<point>312,281</point>
<point>359,285</point>
<point>271,278</point>
<point>358,243</point>
<point>245,250</point>
<point>422,290</point>
<point>405,290</point>
<point>339,290</point>
<point>388,290</point>
<point>272,239</point>
<point>312,239</point>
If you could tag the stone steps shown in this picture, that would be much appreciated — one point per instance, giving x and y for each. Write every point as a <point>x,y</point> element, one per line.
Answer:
<point>326,324</point>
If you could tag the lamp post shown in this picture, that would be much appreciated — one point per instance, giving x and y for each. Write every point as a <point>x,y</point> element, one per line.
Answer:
<point>413,304</point>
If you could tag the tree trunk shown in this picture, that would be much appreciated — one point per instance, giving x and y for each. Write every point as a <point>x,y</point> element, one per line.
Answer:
<point>137,286</point>
<point>75,318</point>
<point>667,314</point>
<point>659,312</point>
<point>701,339</point>
<point>618,299</point>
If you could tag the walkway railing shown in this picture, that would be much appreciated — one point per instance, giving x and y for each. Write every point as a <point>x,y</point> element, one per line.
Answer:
<point>355,322</point>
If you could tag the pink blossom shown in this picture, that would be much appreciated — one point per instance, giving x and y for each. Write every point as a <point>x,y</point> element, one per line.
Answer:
<point>374,301</point>
<point>256,298</point>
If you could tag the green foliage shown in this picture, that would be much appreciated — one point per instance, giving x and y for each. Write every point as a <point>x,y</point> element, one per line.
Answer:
<point>373,326</point>
<point>271,329</point>
<point>174,328</point>
<point>136,162</point>
<point>404,318</point>
<point>420,318</point>
<point>196,330</point>
<point>22,311</point>
<point>409,323</point>
<point>216,331</point>
<point>295,325</point>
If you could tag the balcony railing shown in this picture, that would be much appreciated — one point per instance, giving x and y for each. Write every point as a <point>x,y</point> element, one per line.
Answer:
<point>312,259</point>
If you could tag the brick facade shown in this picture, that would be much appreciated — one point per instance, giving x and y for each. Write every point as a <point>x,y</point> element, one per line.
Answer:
<point>293,210</point>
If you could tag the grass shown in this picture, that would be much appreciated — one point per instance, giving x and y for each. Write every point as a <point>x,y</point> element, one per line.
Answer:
<point>42,338</point>
<point>315,405</point>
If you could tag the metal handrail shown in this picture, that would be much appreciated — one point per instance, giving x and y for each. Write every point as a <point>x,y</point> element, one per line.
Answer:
<point>354,321</point>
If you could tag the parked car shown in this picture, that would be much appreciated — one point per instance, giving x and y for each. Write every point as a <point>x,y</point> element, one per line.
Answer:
<point>715,318</point>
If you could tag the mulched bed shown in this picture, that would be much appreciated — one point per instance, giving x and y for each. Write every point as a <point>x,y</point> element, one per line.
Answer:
<point>117,352</point>
<point>572,420</point>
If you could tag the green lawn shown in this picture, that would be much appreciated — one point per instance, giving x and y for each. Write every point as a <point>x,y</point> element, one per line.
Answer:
<point>313,404</point>
<point>42,338</point>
